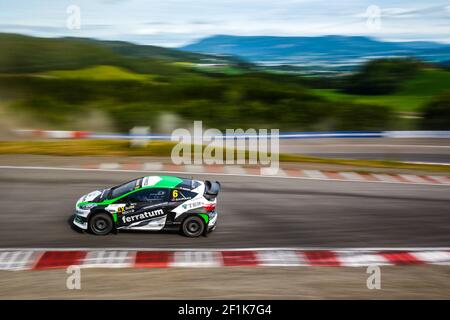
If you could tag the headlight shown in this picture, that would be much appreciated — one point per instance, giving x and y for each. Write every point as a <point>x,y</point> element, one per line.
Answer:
<point>87,206</point>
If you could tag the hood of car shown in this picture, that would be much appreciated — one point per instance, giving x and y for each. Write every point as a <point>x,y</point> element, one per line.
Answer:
<point>94,196</point>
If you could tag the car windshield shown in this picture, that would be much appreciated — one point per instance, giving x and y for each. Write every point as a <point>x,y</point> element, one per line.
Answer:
<point>123,188</point>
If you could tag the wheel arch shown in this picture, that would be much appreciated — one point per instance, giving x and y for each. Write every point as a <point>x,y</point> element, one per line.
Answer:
<point>195,214</point>
<point>103,210</point>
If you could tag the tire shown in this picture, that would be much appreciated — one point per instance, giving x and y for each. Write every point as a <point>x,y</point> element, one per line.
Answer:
<point>101,224</point>
<point>193,227</point>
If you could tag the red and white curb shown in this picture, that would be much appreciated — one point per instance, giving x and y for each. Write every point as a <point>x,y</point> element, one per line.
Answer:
<point>31,259</point>
<point>282,172</point>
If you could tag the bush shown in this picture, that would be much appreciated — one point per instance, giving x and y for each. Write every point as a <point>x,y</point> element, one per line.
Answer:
<point>248,101</point>
<point>436,114</point>
<point>379,77</point>
<point>46,110</point>
<point>362,117</point>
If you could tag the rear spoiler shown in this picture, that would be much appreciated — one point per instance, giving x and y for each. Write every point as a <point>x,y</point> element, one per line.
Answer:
<point>211,189</point>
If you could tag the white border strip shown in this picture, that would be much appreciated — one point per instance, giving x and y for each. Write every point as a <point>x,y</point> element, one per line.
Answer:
<point>362,249</point>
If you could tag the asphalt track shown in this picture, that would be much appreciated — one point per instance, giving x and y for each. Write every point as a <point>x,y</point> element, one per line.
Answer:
<point>254,212</point>
<point>404,149</point>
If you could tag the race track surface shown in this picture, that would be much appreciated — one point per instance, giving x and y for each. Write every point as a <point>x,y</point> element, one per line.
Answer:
<point>405,149</point>
<point>254,212</point>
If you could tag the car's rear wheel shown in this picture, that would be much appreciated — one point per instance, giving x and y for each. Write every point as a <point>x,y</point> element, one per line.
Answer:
<point>193,227</point>
<point>101,224</point>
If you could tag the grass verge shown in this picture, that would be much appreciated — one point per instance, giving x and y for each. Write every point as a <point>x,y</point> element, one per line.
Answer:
<point>164,149</point>
<point>412,95</point>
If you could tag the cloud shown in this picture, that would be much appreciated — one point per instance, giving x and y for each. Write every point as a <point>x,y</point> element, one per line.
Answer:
<point>30,28</point>
<point>40,29</point>
<point>114,1</point>
<point>180,21</point>
<point>407,12</point>
<point>399,13</point>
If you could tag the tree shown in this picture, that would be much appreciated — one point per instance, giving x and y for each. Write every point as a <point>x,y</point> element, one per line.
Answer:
<point>436,114</point>
<point>379,77</point>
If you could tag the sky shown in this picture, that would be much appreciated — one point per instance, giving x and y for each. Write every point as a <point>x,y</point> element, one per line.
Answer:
<point>173,23</point>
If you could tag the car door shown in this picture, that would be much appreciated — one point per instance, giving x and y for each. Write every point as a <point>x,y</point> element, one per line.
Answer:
<point>144,209</point>
<point>177,197</point>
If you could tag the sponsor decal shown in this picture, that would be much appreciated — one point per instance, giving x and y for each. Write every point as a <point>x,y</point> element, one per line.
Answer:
<point>126,209</point>
<point>178,195</point>
<point>142,216</point>
<point>115,208</point>
<point>192,205</point>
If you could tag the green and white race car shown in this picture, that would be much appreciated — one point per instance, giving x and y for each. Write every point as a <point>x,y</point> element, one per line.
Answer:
<point>151,203</point>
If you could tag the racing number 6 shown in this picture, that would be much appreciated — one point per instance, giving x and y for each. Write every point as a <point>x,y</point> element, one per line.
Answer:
<point>175,194</point>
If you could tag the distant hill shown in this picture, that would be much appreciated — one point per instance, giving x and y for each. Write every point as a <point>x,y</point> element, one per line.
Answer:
<point>148,51</point>
<point>320,50</point>
<point>21,53</point>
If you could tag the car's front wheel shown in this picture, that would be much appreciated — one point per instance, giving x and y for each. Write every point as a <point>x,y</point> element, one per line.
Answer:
<point>193,226</point>
<point>101,224</point>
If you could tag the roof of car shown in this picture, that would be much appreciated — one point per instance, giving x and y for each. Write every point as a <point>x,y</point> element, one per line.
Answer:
<point>160,181</point>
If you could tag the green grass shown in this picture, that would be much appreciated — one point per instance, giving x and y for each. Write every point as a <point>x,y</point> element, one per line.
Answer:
<point>99,73</point>
<point>85,148</point>
<point>429,82</point>
<point>228,70</point>
<point>412,95</point>
<point>164,149</point>
<point>225,69</point>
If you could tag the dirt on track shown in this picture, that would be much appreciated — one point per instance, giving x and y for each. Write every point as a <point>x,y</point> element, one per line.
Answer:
<point>408,282</point>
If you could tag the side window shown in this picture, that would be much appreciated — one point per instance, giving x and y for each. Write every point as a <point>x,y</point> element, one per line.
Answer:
<point>181,195</point>
<point>149,195</point>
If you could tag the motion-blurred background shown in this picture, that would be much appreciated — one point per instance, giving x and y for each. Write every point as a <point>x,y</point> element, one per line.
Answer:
<point>381,71</point>
<point>95,69</point>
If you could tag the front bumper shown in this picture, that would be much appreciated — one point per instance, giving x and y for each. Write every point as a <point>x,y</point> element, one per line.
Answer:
<point>81,217</point>
<point>80,222</point>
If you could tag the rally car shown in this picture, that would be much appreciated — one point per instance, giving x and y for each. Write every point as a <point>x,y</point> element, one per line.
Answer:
<point>150,203</point>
